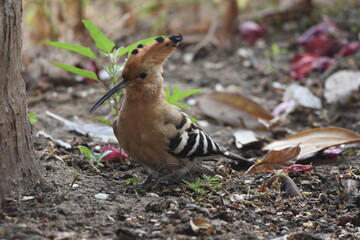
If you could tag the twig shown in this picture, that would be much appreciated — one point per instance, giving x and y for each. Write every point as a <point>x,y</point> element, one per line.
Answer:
<point>209,36</point>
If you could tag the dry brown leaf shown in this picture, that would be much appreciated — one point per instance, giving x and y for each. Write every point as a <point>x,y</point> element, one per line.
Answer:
<point>315,140</point>
<point>198,224</point>
<point>276,159</point>
<point>234,109</point>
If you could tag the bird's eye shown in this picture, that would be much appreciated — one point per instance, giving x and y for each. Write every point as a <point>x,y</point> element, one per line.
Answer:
<point>143,75</point>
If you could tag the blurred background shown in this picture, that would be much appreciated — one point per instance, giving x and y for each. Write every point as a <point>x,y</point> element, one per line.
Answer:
<point>208,25</point>
<point>257,48</point>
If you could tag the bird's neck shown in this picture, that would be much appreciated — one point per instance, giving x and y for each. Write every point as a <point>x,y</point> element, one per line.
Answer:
<point>152,90</point>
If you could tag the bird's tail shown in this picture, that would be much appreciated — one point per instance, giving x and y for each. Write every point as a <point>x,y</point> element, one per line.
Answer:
<point>245,163</point>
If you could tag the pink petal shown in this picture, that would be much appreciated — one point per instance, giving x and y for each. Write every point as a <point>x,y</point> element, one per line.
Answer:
<point>115,154</point>
<point>324,63</point>
<point>332,152</point>
<point>321,39</point>
<point>251,31</point>
<point>302,64</point>
<point>298,168</point>
<point>284,107</point>
<point>349,49</point>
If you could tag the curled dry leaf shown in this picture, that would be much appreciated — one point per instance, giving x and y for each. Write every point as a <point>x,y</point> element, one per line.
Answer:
<point>198,224</point>
<point>276,159</point>
<point>287,185</point>
<point>234,109</point>
<point>314,140</point>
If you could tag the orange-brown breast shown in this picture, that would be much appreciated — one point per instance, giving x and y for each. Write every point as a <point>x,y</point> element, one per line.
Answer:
<point>143,130</point>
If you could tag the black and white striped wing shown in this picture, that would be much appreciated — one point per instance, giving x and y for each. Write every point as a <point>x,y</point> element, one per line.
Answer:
<point>191,141</point>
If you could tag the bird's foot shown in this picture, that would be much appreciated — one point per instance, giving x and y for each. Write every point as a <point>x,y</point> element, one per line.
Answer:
<point>153,181</point>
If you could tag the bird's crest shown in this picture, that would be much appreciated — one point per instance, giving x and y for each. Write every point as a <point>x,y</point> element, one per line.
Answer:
<point>155,53</point>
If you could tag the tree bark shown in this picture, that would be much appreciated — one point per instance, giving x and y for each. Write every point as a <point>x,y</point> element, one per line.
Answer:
<point>18,168</point>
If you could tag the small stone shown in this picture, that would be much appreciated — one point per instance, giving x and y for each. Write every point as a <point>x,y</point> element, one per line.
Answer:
<point>27,198</point>
<point>152,195</point>
<point>308,224</point>
<point>102,196</point>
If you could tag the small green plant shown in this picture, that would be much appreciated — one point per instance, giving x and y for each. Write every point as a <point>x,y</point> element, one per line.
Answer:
<point>197,187</point>
<point>271,54</point>
<point>177,95</point>
<point>95,158</point>
<point>132,181</point>
<point>32,118</point>
<point>275,51</point>
<point>135,183</point>
<point>106,54</point>
<point>205,186</point>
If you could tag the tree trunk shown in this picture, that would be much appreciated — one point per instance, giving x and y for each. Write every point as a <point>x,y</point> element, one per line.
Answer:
<point>18,168</point>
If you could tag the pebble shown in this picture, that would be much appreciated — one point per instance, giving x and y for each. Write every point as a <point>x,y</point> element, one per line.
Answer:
<point>27,198</point>
<point>102,196</point>
<point>152,195</point>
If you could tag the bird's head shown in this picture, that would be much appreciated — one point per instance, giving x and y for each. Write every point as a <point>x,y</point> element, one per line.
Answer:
<point>144,65</point>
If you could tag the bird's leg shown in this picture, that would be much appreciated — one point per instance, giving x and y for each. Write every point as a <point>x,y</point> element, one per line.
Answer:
<point>162,179</point>
<point>153,181</point>
<point>149,179</point>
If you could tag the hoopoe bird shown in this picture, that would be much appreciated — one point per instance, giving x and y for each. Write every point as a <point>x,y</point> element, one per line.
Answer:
<point>154,133</point>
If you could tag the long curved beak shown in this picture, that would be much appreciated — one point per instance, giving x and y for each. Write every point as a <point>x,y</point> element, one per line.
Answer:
<point>111,92</point>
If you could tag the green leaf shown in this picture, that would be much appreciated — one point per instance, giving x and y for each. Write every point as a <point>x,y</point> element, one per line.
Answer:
<point>104,154</point>
<point>96,157</point>
<point>167,93</point>
<point>78,71</point>
<point>86,152</point>
<point>99,164</point>
<point>131,47</point>
<point>85,51</point>
<point>132,180</point>
<point>101,41</point>
<point>178,95</point>
<point>103,120</point>
<point>181,105</point>
<point>128,181</point>
<point>194,120</point>
<point>32,118</point>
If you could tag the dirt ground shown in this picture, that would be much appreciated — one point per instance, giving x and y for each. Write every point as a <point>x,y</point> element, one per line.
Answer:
<point>66,204</point>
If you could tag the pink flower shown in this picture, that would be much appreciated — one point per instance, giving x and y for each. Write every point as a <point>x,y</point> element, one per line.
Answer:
<point>349,49</point>
<point>321,39</point>
<point>332,152</point>
<point>302,64</point>
<point>115,154</point>
<point>298,168</point>
<point>251,31</point>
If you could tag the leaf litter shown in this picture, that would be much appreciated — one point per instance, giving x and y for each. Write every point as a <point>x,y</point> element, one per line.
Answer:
<point>314,140</point>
